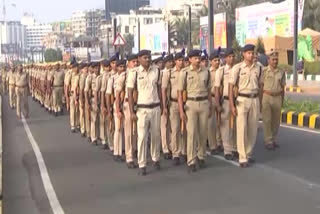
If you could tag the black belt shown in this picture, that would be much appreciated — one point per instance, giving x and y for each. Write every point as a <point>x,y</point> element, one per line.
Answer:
<point>57,86</point>
<point>225,97</point>
<point>173,100</point>
<point>148,106</point>
<point>249,95</point>
<point>212,95</point>
<point>198,98</point>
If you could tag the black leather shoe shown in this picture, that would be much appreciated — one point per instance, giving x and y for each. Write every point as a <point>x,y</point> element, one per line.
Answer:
<point>143,171</point>
<point>244,165</point>
<point>83,135</point>
<point>214,152</point>
<point>192,168</point>
<point>176,161</point>
<point>116,158</point>
<point>270,147</point>
<point>156,165</point>
<point>130,165</point>
<point>202,164</point>
<point>73,131</point>
<point>220,148</point>
<point>235,155</point>
<point>228,157</point>
<point>95,143</point>
<point>105,147</point>
<point>184,158</point>
<point>121,159</point>
<point>166,156</point>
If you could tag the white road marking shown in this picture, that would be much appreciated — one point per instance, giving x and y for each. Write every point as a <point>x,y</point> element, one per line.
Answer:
<point>52,197</point>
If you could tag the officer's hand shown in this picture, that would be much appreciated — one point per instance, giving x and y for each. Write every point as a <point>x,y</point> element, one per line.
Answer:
<point>183,117</point>
<point>234,111</point>
<point>119,115</point>
<point>219,108</point>
<point>134,117</point>
<point>165,112</point>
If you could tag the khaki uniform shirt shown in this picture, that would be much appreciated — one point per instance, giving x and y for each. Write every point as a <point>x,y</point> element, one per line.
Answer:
<point>67,77</point>
<point>213,76</point>
<point>104,81</point>
<point>21,79</point>
<point>196,82</point>
<point>222,78</point>
<point>74,81</point>
<point>120,83</point>
<point>147,83</point>
<point>58,78</point>
<point>273,80</point>
<point>170,80</point>
<point>110,83</point>
<point>11,78</point>
<point>82,81</point>
<point>248,78</point>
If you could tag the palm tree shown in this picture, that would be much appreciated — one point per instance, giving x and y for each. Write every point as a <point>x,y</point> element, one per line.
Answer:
<point>179,33</point>
<point>129,38</point>
<point>311,15</point>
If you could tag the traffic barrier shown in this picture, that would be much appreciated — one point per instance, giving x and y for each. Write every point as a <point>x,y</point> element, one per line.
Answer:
<point>293,89</point>
<point>302,119</point>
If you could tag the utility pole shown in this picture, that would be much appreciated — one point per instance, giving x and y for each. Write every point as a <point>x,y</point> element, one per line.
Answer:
<point>295,45</point>
<point>190,29</point>
<point>211,25</point>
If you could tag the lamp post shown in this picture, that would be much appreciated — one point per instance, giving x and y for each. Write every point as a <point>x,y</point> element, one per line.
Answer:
<point>211,25</point>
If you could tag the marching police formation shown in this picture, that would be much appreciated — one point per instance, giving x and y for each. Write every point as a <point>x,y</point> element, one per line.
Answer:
<point>183,106</point>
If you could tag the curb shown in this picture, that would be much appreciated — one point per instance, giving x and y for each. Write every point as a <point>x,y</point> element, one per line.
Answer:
<point>302,119</point>
<point>293,89</point>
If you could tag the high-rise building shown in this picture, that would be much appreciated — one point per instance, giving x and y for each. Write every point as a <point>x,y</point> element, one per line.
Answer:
<point>123,6</point>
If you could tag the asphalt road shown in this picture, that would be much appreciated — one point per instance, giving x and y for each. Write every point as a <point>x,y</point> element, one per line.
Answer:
<point>87,180</point>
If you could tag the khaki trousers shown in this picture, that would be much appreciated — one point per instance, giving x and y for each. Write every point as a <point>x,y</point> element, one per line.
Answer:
<point>117,143</point>
<point>178,141</point>
<point>212,129</point>
<point>82,117</point>
<point>110,133</point>
<point>165,134</point>
<point>247,126</point>
<point>87,114</point>
<point>12,96</point>
<point>57,95</point>
<point>226,131</point>
<point>94,122</point>
<point>22,101</point>
<point>74,114</point>
<point>103,127</point>
<point>197,130</point>
<point>271,112</point>
<point>148,120</point>
<point>129,136</point>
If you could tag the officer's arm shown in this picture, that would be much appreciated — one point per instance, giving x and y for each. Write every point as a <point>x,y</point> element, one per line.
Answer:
<point>118,100</point>
<point>130,99</point>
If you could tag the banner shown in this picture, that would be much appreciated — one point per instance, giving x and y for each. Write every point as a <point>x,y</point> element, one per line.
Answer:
<point>267,20</point>
<point>153,37</point>
<point>219,32</point>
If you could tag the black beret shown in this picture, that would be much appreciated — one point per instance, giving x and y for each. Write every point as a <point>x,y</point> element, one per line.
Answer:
<point>158,60</point>
<point>179,56</point>
<point>168,58</point>
<point>193,53</point>
<point>248,47</point>
<point>214,55</point>
<point>114,58</point>
<point>132,57</point>
<point>144,52</point>
<point>121,62</point>
<point>186,58</point>
<point>105,63</point>
<point>228,52</point>
<point>74,64</point>
<point>83,65</point>
<point>95,64</point>
<point>204,57</point>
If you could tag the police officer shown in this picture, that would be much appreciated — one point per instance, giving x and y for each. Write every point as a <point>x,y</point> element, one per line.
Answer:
<point>122,96</point>
<point>198,108</point>
<point>67,78</point>
<point>74,98</point>
<point>22,91</point>
<point>11,83</point>
<point>146,80</point>
<point>88,98</point>
<point>274,82</point>
<point>169,85</point>
<point>57,92</point>
<point>204,60</point>
<point>168,62</point>
<point>222,105</point>
<point>246,76</point>
<point>103,109</point>
<point>213,127</point>
<point>82,82</point>
<point>50,74</point>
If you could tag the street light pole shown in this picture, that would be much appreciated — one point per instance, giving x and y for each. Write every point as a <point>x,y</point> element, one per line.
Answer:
<point>211,25</point>
<point>295,45</point>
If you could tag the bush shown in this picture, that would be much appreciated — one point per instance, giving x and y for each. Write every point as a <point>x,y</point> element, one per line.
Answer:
<point>260,46</point>
<point>286,68</point>
<point>312,68</point>
<point>307,106</point>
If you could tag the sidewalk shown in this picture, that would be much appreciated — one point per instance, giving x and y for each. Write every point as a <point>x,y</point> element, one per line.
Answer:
<point>307,86</point>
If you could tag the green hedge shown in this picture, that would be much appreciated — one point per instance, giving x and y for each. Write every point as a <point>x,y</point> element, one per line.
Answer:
<point>286,68</point>
<point>312,68</point>
<point>307,106</point>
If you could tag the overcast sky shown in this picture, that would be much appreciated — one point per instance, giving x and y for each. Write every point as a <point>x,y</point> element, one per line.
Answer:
<point>53,10</point>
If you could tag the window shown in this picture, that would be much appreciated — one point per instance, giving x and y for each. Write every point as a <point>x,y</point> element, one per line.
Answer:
<point>126,29</point>
<point>147,21</point>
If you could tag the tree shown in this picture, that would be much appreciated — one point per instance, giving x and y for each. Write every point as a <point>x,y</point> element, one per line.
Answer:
<point>260,46</point>
<point>179,33</point>
<point>311,14</point>
<point>129,38</point>
<point>51,55</point>
<point>237,50</point>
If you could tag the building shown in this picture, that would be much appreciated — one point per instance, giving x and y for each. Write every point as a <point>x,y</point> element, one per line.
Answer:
<point>36,33</point>
<point>56,40</point>
<point>180,8</point>
<point>123,6</point>
<point>87,23</point>
<point>13,40</point>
